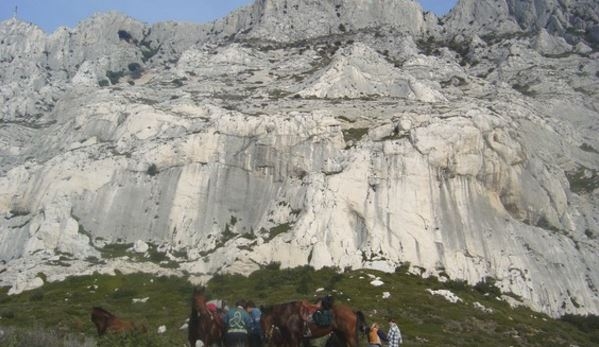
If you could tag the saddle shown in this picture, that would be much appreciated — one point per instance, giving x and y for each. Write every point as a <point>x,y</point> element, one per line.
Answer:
<point>216,305</point>
<point>320,313</point>
<point>307,310</point>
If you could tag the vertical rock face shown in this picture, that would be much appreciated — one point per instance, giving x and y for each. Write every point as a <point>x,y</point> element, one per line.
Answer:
<point>330,133</point>
<point>300,19</point>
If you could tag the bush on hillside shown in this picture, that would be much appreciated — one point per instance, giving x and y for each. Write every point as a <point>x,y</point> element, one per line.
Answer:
<point>584,323</point>
<point>487,287</point>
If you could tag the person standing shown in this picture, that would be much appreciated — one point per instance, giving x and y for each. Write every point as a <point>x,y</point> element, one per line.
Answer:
<point>255,330</point>
<point>373,336</point>
<point>394,335</point>
<point>237,322</point>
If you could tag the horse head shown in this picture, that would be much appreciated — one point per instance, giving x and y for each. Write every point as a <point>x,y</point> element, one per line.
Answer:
<point>267,322</point>
<point>203,325</point>
<point>107,322</point>
<point>198,300</point>
<point>282,324</point>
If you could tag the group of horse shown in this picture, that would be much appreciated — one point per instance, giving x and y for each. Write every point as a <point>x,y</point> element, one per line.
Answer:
<point>283,325</point>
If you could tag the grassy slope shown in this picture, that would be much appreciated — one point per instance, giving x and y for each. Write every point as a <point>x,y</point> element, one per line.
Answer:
<point>425,320</point>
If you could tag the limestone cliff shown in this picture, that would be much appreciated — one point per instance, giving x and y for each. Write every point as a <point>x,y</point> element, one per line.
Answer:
<point>331,133</point>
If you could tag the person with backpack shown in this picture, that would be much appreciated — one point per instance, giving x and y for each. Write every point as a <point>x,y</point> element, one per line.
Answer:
<point>255,330</point>
<point>394,335</point>
<point>237,323</point>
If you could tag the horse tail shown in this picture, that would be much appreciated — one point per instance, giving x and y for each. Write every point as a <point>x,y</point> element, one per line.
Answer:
<point>192,325</point>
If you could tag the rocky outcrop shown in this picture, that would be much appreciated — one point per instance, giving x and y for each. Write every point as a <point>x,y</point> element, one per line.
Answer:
<point>264,137</point>
<point>294,20</point>
<point>359,72</point>
<point>575,21</point>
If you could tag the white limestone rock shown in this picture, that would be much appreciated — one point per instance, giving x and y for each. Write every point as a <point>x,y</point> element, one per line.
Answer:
<point>482,307</point>
<point>288,21</point>
<point>360,72</point>
<point>447,294</point>
<point>24,284</point>
<point>376,283</point>
<point>508,16</point>
<point>140,300</point>
<point>140,246</point>
<point>547,44</point>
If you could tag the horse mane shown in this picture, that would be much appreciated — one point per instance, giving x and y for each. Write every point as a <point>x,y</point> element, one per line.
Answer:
<point>270,308</point>
<point>97,310</point>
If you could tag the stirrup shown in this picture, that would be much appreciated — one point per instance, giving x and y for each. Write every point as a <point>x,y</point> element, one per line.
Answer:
<point>307,332</point>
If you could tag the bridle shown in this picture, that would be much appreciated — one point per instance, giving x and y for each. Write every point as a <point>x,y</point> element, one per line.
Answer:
<point>270,331</point>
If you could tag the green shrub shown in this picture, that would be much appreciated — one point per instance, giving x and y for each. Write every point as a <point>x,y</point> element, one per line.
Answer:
<point>134,67</point>
<point>135,70</point>
<point>457,285</point>
<point>124,35</point>
<point>302,288</point>
<point>126,293</point>
<point>588,148</point>
<point>583,180</point>
<point>152,170</point>
<point>115,250</point>
<point>178,82</point>
<point>487,287</point>
<point>7,314</point>
<point>354,134</point>
<point>279,229</point>
<point>36,295</point>
<point>584,323</point>
<point>147,51</point>
<point>114,76</point>
<point>524,89</point>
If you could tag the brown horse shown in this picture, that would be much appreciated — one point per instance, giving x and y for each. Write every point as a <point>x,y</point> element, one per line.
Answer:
<point>204,324</point>
<point>106,322</point>
<point>284,326</point>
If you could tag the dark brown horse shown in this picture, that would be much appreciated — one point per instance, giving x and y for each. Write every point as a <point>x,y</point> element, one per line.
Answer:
<point>284,325</point>
<point>106,322</point>
<point>204,324</point>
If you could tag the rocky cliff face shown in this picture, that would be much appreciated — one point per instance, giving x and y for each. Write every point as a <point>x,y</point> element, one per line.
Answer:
<point>349,134</point>
<point>566,18</point>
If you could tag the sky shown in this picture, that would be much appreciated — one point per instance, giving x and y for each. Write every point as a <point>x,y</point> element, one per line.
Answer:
<point>50,14</point>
